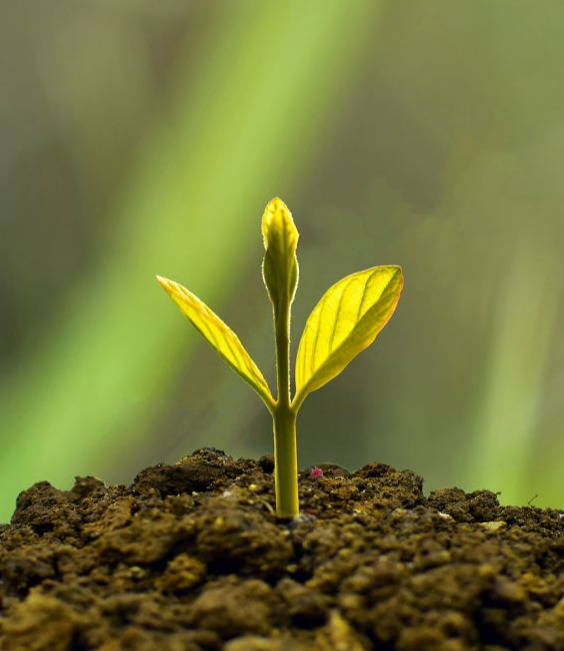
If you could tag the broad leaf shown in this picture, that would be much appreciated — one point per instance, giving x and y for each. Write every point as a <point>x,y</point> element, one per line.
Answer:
<point>344,322</point>
<point>219,335</point>
<point>280,265</point>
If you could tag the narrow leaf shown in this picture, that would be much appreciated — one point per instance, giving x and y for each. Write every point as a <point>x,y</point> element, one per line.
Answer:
<point>344,322</point>
<point>219,336</point>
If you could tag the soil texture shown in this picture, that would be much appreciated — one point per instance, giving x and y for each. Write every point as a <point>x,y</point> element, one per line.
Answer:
<point>192,557</point>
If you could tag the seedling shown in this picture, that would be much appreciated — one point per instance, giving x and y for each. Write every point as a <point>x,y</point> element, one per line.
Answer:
<point>346,320</point>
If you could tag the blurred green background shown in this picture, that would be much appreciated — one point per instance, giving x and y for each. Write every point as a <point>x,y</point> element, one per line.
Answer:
<point>146,137</point>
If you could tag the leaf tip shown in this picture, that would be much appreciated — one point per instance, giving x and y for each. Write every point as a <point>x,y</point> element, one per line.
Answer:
<point>170,287</point>
<point>276,204</point>
<point>276,218</point>
<point>163,282</point>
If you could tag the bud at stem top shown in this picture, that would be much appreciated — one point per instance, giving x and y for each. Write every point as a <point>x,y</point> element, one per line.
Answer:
<point>280,265</point>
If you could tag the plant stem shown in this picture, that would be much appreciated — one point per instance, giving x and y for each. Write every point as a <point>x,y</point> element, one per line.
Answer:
<point>285,451</point>
<point>285,462</point>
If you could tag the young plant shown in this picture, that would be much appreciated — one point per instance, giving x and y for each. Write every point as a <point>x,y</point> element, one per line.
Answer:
<point>345,321</point>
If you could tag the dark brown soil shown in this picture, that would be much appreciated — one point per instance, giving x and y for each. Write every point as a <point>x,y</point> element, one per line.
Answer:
<point>192,557</point>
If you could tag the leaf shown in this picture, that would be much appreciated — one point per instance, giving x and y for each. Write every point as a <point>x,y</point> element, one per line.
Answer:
<point>219,336</point>
<point>280,264</point>
<point>345,321</point>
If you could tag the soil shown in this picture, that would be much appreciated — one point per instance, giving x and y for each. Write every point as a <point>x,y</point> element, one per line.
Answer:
<point>192,557</point>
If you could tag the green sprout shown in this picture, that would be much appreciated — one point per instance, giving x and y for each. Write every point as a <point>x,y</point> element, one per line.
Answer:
<point>345,321</point>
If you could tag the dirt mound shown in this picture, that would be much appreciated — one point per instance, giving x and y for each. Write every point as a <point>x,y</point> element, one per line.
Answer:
<point>192,557</point>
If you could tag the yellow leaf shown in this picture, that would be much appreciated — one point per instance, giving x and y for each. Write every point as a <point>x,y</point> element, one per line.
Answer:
<point>219,336</point>
<point>280,265</point>
<point>344,322</point>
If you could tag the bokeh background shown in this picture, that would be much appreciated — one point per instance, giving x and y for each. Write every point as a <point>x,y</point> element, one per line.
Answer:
<point>142,137</point>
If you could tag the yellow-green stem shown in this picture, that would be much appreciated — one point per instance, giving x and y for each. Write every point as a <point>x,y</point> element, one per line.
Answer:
<point>285,451</point>
<point>285,462</point>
